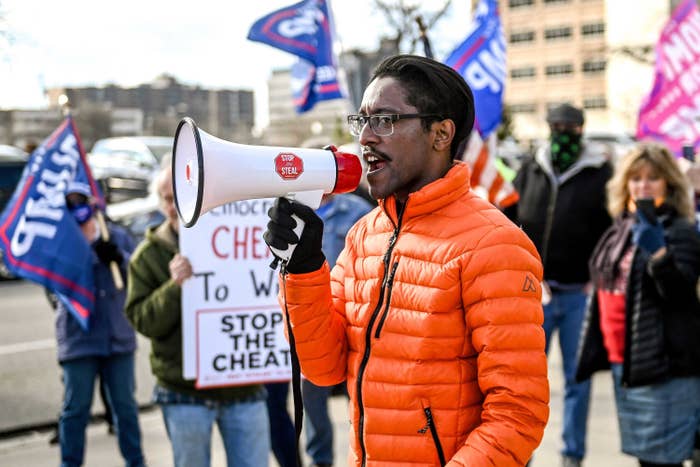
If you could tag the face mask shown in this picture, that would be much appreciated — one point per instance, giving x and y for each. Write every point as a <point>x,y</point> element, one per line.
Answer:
<point>565,149</point>
<point>81,212</point>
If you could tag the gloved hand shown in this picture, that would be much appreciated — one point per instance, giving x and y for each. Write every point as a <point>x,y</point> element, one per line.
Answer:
<point>280,234</point>
<point>647,236</point>
<point>107,251</point>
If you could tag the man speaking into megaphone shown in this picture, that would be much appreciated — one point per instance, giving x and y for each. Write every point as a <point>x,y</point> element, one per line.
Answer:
<point>432,312</point>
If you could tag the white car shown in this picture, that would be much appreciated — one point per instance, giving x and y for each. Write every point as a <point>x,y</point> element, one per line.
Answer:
<point>125,166</point>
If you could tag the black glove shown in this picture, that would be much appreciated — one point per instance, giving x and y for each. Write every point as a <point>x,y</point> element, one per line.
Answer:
<point>107,251</point>
<point>280,234</point>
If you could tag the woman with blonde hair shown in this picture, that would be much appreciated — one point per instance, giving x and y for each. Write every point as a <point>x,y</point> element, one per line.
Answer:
<point>643,318</point>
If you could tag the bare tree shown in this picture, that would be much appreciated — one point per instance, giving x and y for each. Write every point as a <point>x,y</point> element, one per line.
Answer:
<point>403,18</point>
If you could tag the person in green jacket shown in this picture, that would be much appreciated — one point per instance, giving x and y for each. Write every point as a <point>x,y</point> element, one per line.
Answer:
<point>156,273</point>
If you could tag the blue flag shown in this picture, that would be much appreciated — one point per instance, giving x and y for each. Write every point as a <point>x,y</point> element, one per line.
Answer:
<point>39,239</point>
<point>481,60</point>
<point>305,30</point>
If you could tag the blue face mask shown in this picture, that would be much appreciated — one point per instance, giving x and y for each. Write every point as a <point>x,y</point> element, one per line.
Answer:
<point>81,212</point>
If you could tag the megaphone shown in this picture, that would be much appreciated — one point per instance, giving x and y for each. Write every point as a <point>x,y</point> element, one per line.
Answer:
<point>209,172</point>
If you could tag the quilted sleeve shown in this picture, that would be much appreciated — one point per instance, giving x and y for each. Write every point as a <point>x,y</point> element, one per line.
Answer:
<point>319,330</point>
<point>501,294</point>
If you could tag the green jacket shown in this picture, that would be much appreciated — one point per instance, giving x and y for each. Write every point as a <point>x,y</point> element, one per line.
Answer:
<point>153,307</point>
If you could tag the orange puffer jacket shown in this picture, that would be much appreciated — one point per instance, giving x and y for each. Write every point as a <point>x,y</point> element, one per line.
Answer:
<point>434,318</point>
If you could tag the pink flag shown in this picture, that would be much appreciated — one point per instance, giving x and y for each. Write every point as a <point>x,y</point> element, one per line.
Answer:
<point>671,112</point>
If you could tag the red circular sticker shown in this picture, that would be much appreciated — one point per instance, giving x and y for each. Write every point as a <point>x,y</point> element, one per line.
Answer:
<point>289,166</point>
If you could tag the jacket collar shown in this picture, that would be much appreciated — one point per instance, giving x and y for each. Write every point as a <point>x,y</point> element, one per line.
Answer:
<point>164,236</point>
<point>434,195</point>
<point>588,158</point>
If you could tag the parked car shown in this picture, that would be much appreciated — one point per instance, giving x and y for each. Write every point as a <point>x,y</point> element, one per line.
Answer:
<point>125,166</point>
<point>12,162</point>
<point>616,144</point>
<point>136,215</point>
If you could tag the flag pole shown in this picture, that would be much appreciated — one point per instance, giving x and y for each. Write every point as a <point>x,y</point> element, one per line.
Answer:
<point>427,49</point>
<point>99,215</point>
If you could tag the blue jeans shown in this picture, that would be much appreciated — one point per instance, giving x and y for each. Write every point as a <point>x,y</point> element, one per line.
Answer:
<point>117,373</point>
<point>282,434</point>
<point>243,426</point>
<point>566,311</point>
<point>319,428</point>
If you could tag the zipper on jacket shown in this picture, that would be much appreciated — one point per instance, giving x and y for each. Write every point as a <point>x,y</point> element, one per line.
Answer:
<point>368,336</point>
<point>549,220</point>
<point>389,287</point>
<point>433,432</point>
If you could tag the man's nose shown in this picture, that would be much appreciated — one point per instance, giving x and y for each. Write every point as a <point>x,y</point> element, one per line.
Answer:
<point>367,135</point>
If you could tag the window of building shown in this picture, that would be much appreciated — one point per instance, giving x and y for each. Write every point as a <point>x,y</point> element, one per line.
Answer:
<point>594,66</point>
<point>523,108</point>
<point>562,32</point>
<point>523,72</point>
<point>592,29</point>
<point>595,102</point>
<point>559,69</point>
<point>522,36</point>
<point>520,3</point>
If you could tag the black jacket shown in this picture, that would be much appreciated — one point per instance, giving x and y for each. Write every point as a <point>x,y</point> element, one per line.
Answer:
<point>662,314</point>
<point>563,216</point>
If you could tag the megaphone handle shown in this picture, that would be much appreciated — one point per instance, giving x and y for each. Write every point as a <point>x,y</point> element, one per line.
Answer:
<point>286,254</point>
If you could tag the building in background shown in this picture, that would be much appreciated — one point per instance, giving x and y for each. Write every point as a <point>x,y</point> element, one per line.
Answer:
<point>595,54</point>
<point>156,108</point>
<point>325,123</point>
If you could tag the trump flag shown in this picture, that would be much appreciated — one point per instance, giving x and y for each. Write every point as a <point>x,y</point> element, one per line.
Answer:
<point>304,29</point>
<point>481,60</point>
<point>671,112</point>
<point>39,239</point>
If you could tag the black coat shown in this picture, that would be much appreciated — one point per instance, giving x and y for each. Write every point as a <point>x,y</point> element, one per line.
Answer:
<point>662,313</point>
<point>563,216</point>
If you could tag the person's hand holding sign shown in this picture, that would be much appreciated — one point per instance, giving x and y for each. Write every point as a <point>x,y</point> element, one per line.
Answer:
<point>180,269</point>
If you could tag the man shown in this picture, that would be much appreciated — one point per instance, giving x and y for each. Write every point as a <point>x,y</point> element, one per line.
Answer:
<point>105,349</point>
<point>562,209</point>
<point>338,213</point>
<point>432,311</point>
<point>156,274</point>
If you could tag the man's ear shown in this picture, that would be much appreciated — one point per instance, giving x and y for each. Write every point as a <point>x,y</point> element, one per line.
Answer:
<point>444,131</point>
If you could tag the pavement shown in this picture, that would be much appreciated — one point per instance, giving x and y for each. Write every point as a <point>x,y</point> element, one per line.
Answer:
<point>33,449</point>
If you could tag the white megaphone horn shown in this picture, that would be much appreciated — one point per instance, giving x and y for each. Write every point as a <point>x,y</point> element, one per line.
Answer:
<point>209,172</point>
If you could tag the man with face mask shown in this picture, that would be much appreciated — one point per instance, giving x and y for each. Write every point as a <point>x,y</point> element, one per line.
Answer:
<point>106,348</point>
<point>562,210</point>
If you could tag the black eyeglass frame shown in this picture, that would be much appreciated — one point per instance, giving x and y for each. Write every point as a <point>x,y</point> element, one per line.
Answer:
<point>355,119</point>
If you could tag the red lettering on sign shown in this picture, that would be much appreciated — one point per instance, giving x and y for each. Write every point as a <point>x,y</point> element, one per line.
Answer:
<point>289,166</point>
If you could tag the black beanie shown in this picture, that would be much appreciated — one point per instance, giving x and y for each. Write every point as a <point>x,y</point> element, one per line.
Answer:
<point>566,114</point>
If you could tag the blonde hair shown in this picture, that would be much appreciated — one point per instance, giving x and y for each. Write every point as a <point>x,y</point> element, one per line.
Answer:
<point>661,161</point>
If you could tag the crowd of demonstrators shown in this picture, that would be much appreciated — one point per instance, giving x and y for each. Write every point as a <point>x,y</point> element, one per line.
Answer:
<point>643,321</point>
<point>562,209</point>
<point>105,349</point>
<point>156,274</point>
<point>338,213</point>
<point>432,311</point>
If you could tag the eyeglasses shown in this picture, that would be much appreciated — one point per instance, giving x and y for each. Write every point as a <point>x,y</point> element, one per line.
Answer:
<point>381,124</point>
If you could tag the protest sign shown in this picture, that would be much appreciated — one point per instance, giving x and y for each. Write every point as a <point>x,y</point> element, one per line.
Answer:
<point>232,329</point>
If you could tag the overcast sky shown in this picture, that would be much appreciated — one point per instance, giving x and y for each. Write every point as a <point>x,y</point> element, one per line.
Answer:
<point>129,42</point>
